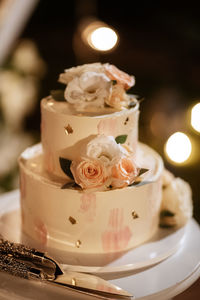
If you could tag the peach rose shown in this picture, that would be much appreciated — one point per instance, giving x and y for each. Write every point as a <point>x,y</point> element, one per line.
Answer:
<point>87,85</point>
<point>124,172</point>
<point>121,77</point>
<point>89,174</point>
<point>118,97</point>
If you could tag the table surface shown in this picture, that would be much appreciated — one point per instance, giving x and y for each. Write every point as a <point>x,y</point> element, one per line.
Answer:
<point>165,280</point>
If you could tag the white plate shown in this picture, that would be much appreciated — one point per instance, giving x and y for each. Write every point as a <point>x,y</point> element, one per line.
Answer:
<point>165,243</point>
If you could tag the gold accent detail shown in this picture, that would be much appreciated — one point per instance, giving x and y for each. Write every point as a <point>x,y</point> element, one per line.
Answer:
<point>78,244</point>
<point>68,129</point>
<point>134,215</point>
<point>164,186</point>
<point>126,121</point>
<point>72,220</point>
<point>74,281</point>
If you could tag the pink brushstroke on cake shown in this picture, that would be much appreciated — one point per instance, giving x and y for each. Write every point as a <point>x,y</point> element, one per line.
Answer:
<point>88,206</point>
<point>49,161</point>
<point>22,216</point>
<point>107,127</point>
<point>43,135</point>
<point>41,231</point>
<point>42,126</point>
<point>22,180</point>
<point>117,235</point>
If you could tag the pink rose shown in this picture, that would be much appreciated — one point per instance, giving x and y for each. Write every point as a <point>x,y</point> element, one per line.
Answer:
<point>118,98</point>
<point>121,77</point>
<point>89,174</point>
<point>124,172</point>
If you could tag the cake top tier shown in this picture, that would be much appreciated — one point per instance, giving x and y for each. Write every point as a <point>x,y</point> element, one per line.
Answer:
<point>96,85</point>
<point>90,137</point>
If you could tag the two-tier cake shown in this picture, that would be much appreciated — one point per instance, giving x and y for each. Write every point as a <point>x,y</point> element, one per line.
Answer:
<point>90,187</point>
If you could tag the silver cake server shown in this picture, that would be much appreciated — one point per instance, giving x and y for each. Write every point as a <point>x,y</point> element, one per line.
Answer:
<point>22,261</point>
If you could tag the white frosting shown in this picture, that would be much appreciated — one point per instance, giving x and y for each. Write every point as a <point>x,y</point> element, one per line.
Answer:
<point>104,221</point>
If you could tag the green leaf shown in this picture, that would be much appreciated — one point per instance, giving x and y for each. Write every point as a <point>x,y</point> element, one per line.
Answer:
<point>139,183</point>
<point>166,213</point>
<point>134,100</point>
<point>132,104</point>
<point>142,171</point>
<point>114,82</point>
<point>69,185</point>
<point>121,139</point>
<point>58,95</point>
<point>166,226</point>
<point>65,166</point>
<point>140,98</point>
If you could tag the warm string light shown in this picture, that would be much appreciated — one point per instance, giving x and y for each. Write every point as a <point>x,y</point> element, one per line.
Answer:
<point>178,147</point>
<point>103,39</point>
<point>99,36</point>
<point>195,117</point>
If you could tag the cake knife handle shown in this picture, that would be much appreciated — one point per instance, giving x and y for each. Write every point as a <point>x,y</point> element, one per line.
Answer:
<point>12,266</point>
<point>25,253</point>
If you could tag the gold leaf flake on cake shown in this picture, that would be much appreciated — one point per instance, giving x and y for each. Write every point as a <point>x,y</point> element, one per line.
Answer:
<point>126,121</point>
<point>68,129</point>
<point>73,281</point>
<point>78,244</point>
<point>72,220</point>
<point>134,214</point>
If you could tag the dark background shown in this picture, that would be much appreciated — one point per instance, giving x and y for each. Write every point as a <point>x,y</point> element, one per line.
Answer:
<point>159,45</point>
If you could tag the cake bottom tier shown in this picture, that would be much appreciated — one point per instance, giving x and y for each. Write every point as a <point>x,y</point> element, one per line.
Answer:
<point>74,221</point>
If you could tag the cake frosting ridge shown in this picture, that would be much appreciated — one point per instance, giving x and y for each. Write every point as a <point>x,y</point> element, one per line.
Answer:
<point>90,186</point>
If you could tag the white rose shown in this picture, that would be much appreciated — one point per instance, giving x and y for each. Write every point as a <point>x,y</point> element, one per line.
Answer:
<point>177,199</point>
<point>106,149</point>
<point>89,87</point>
<point>71,73</point>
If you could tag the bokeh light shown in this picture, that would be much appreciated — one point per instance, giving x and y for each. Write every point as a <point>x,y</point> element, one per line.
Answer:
<point>178,147</point>
<point>103,39</point>
<point>98,35</point>
<point>195,117</point>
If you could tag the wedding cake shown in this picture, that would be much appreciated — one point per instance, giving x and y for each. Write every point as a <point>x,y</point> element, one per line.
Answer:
<point>91,187</point>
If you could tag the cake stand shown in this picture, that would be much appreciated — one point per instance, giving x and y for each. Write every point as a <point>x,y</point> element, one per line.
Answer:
<point>162,280</point>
